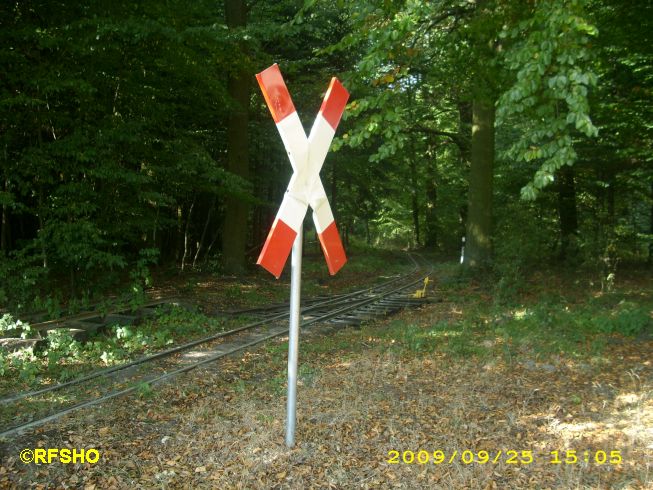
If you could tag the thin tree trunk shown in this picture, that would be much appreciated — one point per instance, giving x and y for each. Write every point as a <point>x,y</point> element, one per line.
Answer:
<point>478,243</point>
<point>234,236</point>
<point>611,185</point>
<point>414,201</point>
<point>206,227</point>
<point>179,235</point>
<point>186,234</point>
<point>210,247</point>
<point>41,226</point>
<point>4,232</point>
<point>465,113</point>
<point>41,223</point>
<point>431,222</point>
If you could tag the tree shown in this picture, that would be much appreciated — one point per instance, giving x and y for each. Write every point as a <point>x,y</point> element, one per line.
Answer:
<point>235,227</point>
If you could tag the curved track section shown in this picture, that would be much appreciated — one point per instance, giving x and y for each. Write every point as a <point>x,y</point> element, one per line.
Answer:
<point>351,308</point>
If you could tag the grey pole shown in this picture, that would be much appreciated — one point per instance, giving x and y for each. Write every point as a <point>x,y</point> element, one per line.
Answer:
<point>293,336</point>
<point>462,252</point>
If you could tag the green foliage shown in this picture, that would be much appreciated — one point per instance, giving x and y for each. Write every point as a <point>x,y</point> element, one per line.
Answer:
<point>523,241</point>
<point>144,390</point>
<point>9,326</point>
<point>278,385</point>
<point>62,357</point>
<point>111,127</point>
<point>25,277</point>
<point>392,225</point>
<point>23,363</point>
<point>115,117</point>
<point>547,328</point>
<point>627,318</point>
<point>141,277</point>
<point>550,55</point>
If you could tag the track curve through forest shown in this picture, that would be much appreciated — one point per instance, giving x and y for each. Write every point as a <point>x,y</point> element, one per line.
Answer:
<point>350,308</point>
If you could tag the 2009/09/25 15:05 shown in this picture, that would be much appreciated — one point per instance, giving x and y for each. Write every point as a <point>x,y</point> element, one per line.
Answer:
<point>568,456</point>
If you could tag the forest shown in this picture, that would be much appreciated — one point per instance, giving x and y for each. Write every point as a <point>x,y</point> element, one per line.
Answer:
<point>133,134</point>
<point>492,183</point>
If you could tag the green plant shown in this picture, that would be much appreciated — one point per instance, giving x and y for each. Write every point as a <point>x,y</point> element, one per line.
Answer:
<point>24,276</point>
<point>144,390</point>
<point>626,319</point>
<point>234,292</point>
<point>9,326</point>
<point>510,283</point>
<point>24,361</point>
<point>61,345</point>
<point>464,345</point>
<point>240,386</point>
<point>141,277</point>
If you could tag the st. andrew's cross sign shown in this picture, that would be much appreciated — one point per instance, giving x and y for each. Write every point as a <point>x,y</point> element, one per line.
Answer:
<point>305,188</point>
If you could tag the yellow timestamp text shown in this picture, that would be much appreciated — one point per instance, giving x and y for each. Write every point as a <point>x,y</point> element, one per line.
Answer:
<point>522,457</point>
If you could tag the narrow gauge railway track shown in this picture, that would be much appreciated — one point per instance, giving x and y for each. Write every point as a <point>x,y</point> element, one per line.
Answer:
<point>81,325</point>
<point>350,308</point>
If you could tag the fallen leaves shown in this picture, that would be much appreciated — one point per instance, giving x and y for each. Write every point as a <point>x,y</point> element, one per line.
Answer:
<point>200,431</point>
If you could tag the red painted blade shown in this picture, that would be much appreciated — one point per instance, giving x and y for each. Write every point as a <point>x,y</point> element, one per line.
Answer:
<point>334,102</point>
<point>277,248</point>
<point>275,92</point>
<point>334,252</point>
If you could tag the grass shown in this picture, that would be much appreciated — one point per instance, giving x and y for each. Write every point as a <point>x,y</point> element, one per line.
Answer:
<point>540,330</point>
<point>62,357</point>
<point>543,372</point>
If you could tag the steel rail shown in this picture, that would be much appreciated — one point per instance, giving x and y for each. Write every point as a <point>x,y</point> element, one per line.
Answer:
<point>157,379</point>
<point>203,340</point>
<point>35,423</point>
<point>59,322</point>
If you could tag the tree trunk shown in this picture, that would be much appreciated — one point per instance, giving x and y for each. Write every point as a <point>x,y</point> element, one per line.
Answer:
<point>431,221</point>
<point>234,232</point>
<point>42,229</point>
<point>189,216</point>
<point>200,244</point>
<point>179,234</point>
<point>478,243</point>
<point>413,199</point>
<point>567,210</point>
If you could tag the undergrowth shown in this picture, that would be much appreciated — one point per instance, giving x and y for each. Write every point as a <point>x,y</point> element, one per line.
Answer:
<point>547,325</point>
<point>59,356</point>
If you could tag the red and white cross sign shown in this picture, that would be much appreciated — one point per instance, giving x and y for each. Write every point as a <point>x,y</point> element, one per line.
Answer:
<point>305,187</point>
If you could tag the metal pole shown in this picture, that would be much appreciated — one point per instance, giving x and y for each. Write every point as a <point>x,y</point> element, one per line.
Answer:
<point>462,252</point>
<point>293,336</point>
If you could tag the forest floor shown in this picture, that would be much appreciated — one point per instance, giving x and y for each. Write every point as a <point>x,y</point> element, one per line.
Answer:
<point>544,383</point>
<point>196,304</point>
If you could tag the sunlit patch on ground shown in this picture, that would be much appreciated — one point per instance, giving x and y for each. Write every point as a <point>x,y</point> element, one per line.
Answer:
<point>536,407</point>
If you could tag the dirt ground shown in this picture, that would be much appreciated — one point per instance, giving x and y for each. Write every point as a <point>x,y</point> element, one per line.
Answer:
<point>369,416</point>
